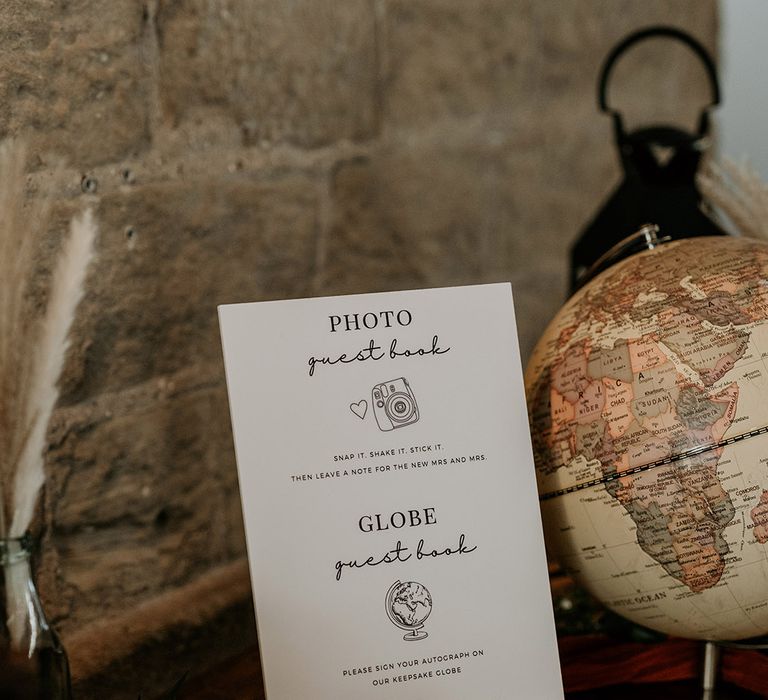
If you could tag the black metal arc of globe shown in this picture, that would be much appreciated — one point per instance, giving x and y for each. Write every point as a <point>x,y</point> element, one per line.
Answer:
<point>652,465</point>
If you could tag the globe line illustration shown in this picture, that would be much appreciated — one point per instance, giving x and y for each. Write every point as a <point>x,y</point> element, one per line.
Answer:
<point>649,420</point>
<point>408,605</point>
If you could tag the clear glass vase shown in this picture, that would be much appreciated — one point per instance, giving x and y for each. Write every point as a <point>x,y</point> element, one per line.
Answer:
<point>33,663</point>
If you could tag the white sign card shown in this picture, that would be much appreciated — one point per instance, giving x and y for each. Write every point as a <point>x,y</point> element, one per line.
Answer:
<point>389,497</point>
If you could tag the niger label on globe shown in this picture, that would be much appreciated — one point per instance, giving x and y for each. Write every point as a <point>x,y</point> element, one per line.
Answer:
<point>648,398</point>
<point>389,497</point>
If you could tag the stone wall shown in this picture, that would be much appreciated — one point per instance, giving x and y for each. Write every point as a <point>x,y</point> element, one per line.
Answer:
<point>242,150</point>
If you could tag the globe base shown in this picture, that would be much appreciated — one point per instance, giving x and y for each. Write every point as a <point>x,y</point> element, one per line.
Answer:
<point>415,636</point>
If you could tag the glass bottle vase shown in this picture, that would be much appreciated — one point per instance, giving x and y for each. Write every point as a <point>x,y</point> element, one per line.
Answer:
<point>33,663</point>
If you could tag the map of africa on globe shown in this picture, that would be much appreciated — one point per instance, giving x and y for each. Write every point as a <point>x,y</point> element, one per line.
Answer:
<point>410,604</point>
<point>648,400</point>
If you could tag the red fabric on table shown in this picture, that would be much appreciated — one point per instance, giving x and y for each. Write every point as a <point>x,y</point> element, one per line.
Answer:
<point>590,662</point>
<point>746,669</point>
<point>594,662</point>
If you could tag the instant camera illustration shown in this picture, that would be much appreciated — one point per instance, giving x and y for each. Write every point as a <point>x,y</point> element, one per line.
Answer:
<point>394,404</point>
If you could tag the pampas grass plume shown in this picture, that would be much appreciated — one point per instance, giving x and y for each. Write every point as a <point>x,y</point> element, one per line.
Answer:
<point>32,349</point>
<point>67,287</point>
<point>32,353</point>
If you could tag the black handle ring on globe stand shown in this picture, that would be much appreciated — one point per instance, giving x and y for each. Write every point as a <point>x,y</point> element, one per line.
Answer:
<point>649,33</point>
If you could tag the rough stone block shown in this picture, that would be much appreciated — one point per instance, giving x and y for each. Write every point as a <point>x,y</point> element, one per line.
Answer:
<point>168,254</point>
<point>300,72</point>
<point>446,59</point>
<point>72,78</point>
<point>141,496</point>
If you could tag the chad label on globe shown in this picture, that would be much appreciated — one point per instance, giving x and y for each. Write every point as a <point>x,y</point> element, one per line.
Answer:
<point>389,497</point>
<point>649,410</point>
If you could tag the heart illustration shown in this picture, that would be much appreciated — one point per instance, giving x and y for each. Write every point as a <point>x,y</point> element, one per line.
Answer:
<point>359,409</point>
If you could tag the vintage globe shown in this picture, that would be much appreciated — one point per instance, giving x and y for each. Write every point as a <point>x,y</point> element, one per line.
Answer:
<point>648,400</point>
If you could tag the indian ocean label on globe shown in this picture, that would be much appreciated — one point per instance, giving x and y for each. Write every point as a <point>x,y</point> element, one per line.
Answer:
<point>389,497</point>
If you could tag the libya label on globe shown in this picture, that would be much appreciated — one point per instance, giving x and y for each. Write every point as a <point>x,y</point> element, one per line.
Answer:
<point>648,399</point>
<point>389,497</point>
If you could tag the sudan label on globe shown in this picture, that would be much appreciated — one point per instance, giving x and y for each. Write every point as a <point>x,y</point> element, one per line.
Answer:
<point>648,400</point>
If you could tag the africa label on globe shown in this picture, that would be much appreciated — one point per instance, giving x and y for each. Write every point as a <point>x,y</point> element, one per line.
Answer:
<point>648,399</point>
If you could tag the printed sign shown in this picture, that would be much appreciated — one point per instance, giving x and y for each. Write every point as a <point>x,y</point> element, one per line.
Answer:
<point>389,497</point>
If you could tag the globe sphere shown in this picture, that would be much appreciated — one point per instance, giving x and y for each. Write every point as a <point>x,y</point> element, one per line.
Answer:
<point>409,604</point>
<point>648,403</point>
